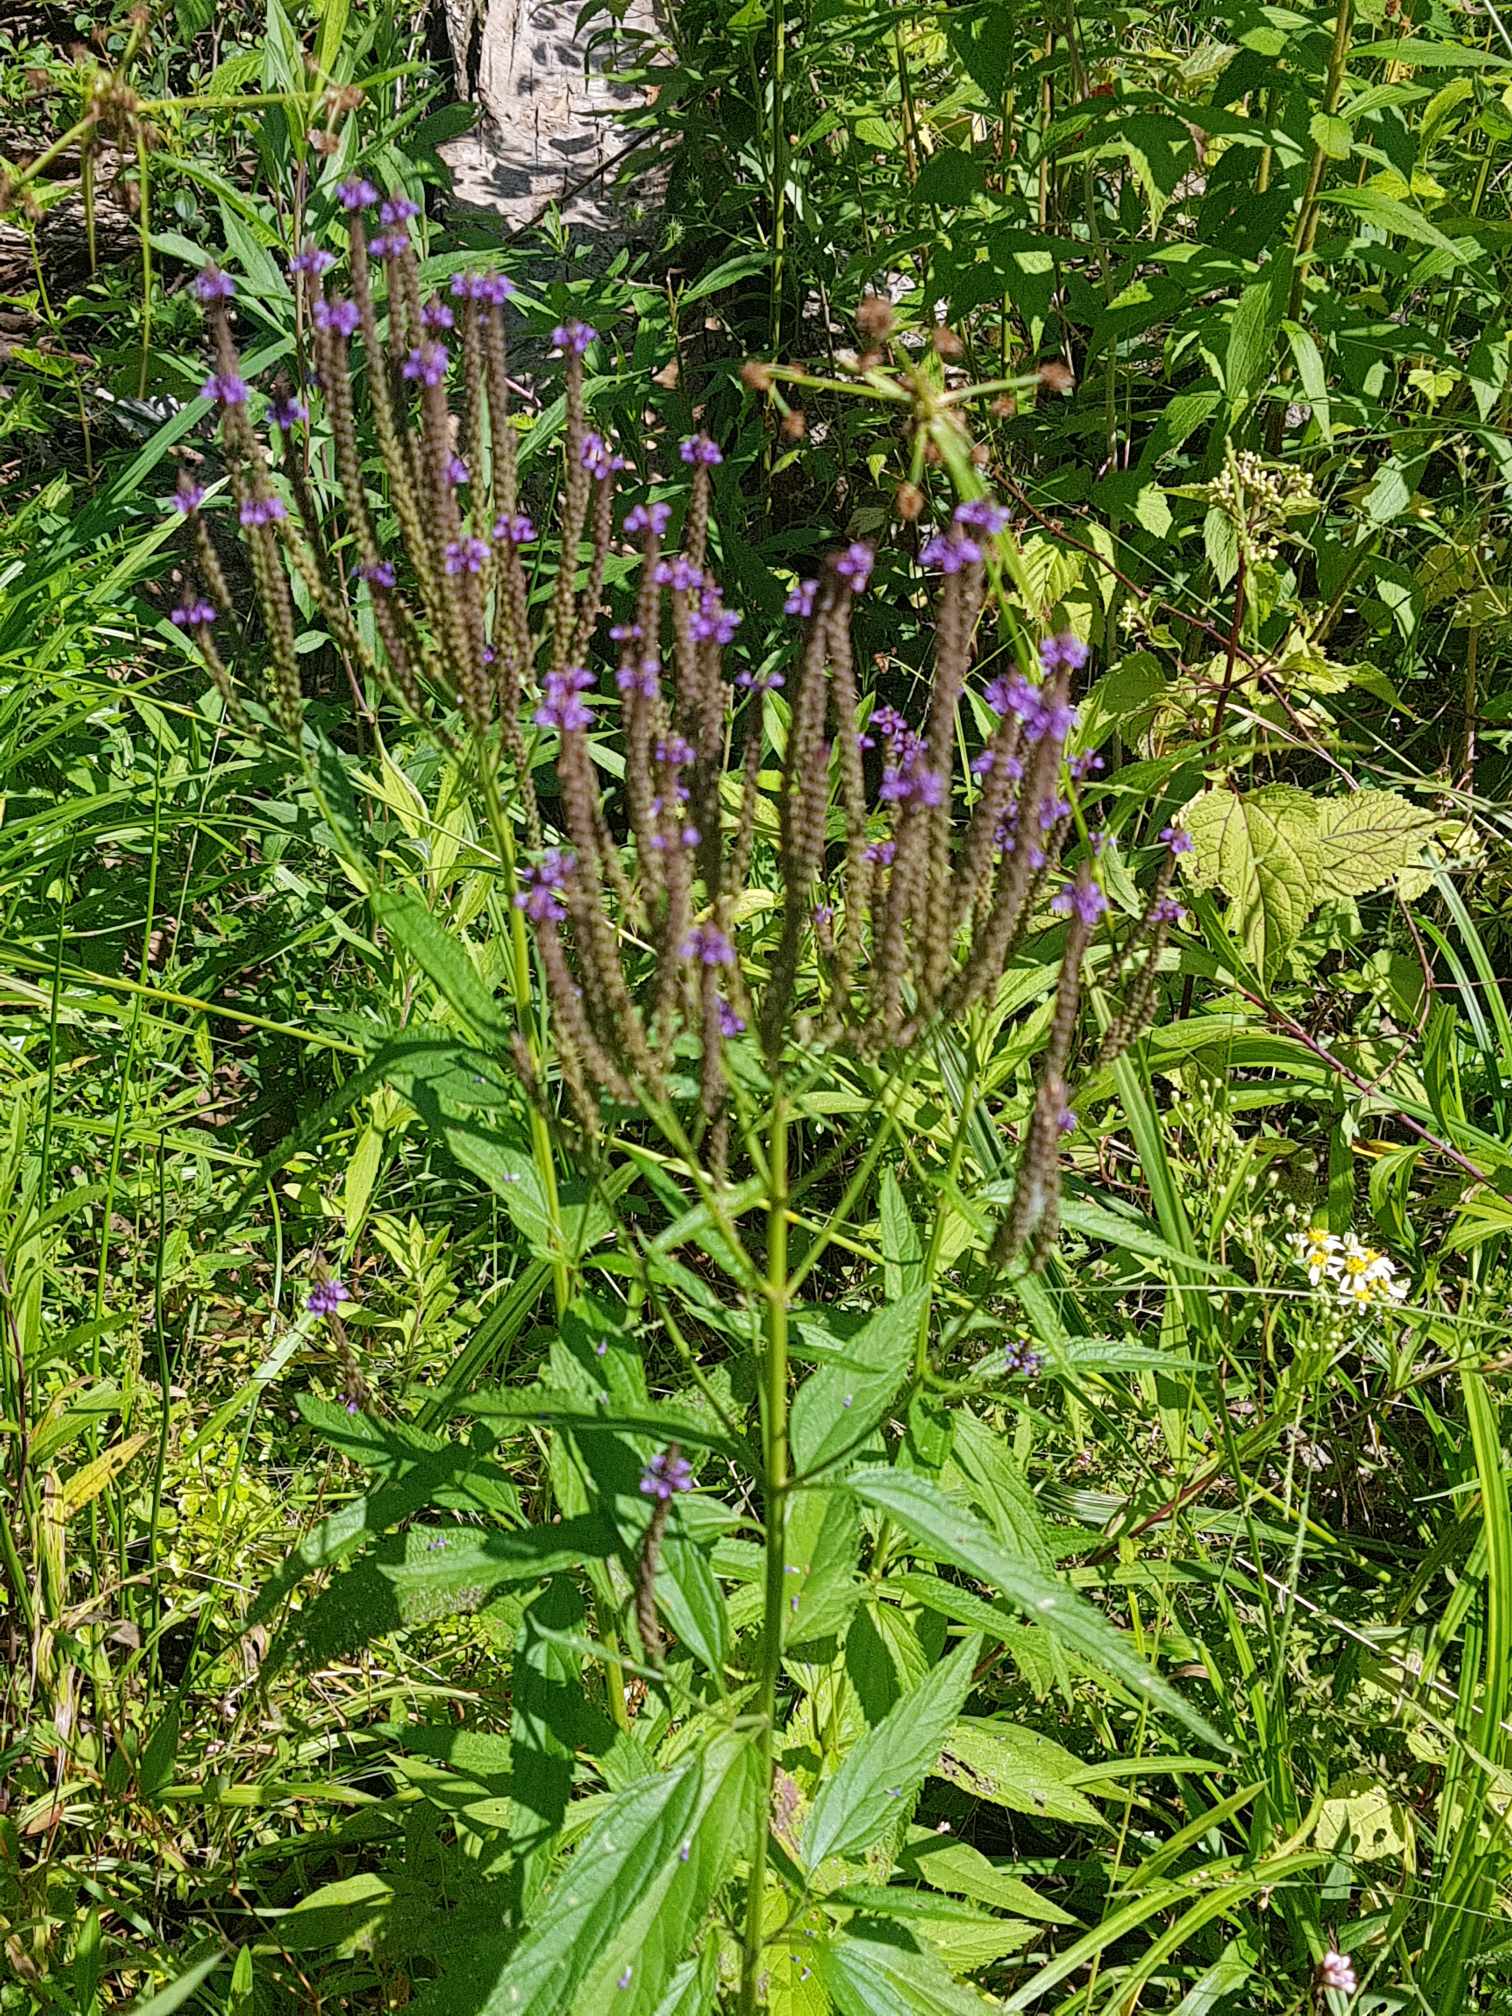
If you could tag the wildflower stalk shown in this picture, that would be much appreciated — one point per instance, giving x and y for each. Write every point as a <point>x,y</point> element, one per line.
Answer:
<point>775,1466</point>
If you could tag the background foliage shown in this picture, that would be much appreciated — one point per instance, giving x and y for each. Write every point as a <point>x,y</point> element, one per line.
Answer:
<point>1247,271</point>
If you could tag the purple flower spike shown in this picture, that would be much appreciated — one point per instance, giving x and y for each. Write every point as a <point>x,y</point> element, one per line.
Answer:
<point>712,622</point>
<point>1166,910</point>
<point>1176,840</point>
<point>465,556</point>
<point>262,510</point>
<point>1063,652</point>
<point>339,315</point>
<point>188,497</point>
<point>456,471</point>
<point>760,682</point>
<point>562,705</point>
<point>398,210</point>
<point>882,852</point>
<point>678,573</point>
<point>595,456</point>
<point>436,315</point>
<point>730,1023</point>
<point>466,287</point>
<point>801,601</point>
<point>312,261</point>
<point>515,531</point>
<point>225,388</point>
<point>698,451</point>
<point>288,413</point>
<point>648,518</point>
<point>1067,1122</point>
<point>663,1476</point>
<point>571,339</point>
<point>950,551</point>
<point>639,678</point>
<point>495,288</point>
<point>378,574</point>
<point>191,615</point>
<point>855,565</point>
<point>709,946</point>
<point>982,515</point>
<point>1085,898</point>
<point>326,1297</point>
<point>427,364</point>
<point>540,897</point>
<point>210,284</point>
<point>357,194</point>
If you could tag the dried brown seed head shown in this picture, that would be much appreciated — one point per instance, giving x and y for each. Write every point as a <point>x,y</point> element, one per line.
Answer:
<point>908,502</point>
<point>874,318</point>
<point>1056,376</point>
<point>794,425</point>
<point>755,375</point>
<point>948,345</point>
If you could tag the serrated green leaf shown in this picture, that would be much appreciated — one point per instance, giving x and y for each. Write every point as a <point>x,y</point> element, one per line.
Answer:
<point>879,1776</point>
<point>628,1907</point>
<point>838,1405</point>
<point>442,956</point>
<point>1366,839</point>
<point>1263,849</point>
<point>426,1574</point>
<point>945,1530</point>
<point>877,1969</point>
<point>1017,1768</point>
<point>1331,135</point>
<point>960,1870</point>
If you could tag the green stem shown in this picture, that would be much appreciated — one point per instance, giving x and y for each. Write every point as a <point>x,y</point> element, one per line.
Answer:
<point>540,1136</point>
<point>779,166</point>
<point>775,1460</point>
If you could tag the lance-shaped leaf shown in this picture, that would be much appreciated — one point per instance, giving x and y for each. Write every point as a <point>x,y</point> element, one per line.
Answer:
<point>946,1531</point>
<point>838,1405</point>
<point>879,1777</point>
<point>877,1969</point>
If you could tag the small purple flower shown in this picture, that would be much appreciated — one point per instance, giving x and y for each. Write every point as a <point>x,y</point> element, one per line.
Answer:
<point>427,364</point>
<point>262,510</point>
<point>675,752</point>
<point>326,1297</point>
<point>824,915</point>
<point>380,247</point>
<point>678,573</point>
<point>1066,1121</point>
<point>700,452</point>
<point>356,194</point>
<point>855,565</point>
<point>912,783</point>
<point>639,677</point>
<point>495,288</point>
<point>210,284</point>
<point>648,518</point>
<point>192,615</point>
<point>982,515</point>
<point>709,946</point>
<point>712,622</point>
<point>1176,840</point>
<point>340,315</point>
<point>1053,809</point>
<point>436,315</point>
<point>1085,898</point>
<point>466,287</point>
<point>398,210</point>
<point>883,852</point>
<point>287,413</point>
<point>593,453</point>
<point>456,471</point>
<point>950,551</point>
<point>378,573</point>
<point>730,1023</point>
<point>1021,1359</point>
<point>624,633</point>
<point>1063,652</point>
<point>226,389</point>
<point>513,531</point>
<point>1087,764</point>
<point>312,261</point>
<point>539,898</point>
<point>562,705</point>
<point>188,497</point>
<point>1166,910</point>
<point>625,1978</point>
<point>800,601</point>
<point>760,682</point>
<point>663,1476</point>
<point>571,339</point>
<point>465,556</point>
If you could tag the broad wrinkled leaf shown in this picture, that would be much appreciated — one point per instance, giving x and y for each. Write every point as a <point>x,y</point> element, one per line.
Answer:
<point>1366,839</point>
<point>878,1778</point>
<point>838,1405</point>
<point>947,1531</point>
<point>878,1969</point>
<point>1263,848</point>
